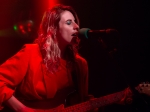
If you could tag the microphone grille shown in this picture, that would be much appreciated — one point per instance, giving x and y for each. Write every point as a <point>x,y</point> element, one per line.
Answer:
<point>83,32</point>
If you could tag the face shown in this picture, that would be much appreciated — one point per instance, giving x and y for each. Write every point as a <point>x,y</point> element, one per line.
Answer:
<point>67,28</point>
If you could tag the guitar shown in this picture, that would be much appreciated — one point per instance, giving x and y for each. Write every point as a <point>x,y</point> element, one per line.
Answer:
<point>121,97</point>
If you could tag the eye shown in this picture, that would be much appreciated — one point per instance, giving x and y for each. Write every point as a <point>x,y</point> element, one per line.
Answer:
<point>68,22</point>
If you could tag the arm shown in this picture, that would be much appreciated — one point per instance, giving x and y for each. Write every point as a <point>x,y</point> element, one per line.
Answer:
<point>12,73</point>
<point>17,106</point>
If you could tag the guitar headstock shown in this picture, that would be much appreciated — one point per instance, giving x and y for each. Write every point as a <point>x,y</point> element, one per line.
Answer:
<point>143,88</point>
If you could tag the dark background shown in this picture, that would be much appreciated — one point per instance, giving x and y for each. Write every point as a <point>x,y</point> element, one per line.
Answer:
<point>108,72</point>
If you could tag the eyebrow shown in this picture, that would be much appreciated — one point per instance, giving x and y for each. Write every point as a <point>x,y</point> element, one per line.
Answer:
<point>70,20</point>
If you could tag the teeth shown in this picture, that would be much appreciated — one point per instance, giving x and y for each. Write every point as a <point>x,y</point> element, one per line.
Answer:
<point>74,34</point>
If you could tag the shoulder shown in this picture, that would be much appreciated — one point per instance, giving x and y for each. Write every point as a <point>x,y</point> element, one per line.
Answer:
<point>31,46</point>
<point>80,59</point>
<point>82,65</point>
<point>29,50</point>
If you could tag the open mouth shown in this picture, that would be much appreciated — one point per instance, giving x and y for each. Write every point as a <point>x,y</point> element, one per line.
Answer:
<point>75,34</point>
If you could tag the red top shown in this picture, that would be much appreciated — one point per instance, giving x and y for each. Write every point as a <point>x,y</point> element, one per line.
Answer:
<point>26,73</point>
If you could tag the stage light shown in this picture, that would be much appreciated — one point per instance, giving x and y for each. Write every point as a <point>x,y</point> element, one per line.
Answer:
<point>52,3</point>
<point>24,27</point>
<point>15,27</point>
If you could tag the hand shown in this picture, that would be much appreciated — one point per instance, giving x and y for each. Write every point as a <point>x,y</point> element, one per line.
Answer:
<point>143,88</point>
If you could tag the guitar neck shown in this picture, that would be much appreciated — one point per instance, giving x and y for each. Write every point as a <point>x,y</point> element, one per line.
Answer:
<point>95,103</point>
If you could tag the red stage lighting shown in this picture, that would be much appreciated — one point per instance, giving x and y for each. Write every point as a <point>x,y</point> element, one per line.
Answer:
<point>24,28</point>
<point>52,3</point>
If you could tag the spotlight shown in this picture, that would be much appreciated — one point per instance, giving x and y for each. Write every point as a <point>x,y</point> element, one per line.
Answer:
<point>24,28</point>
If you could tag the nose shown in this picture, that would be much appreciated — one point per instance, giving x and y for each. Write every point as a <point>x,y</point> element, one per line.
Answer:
<point>76,26</point>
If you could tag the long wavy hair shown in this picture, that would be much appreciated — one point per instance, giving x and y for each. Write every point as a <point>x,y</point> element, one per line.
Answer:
<point>47,39</point>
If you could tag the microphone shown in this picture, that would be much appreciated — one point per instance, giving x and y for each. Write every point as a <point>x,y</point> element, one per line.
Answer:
<point>88,33</point>
<point>108,38</point>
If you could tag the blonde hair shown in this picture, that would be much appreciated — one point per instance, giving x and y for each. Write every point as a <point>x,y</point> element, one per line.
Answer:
<point>47,39</point>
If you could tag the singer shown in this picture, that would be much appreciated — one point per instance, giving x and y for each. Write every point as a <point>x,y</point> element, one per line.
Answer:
<point>43,74</point>
<point>49,72</point>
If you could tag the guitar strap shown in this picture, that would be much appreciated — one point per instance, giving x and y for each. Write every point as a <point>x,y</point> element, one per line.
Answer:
<point>78,72</point>
<point>75,80</point>
<point>79,82</point>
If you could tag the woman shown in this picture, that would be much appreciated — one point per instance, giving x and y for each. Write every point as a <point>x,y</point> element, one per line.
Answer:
<point>42,75</point>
